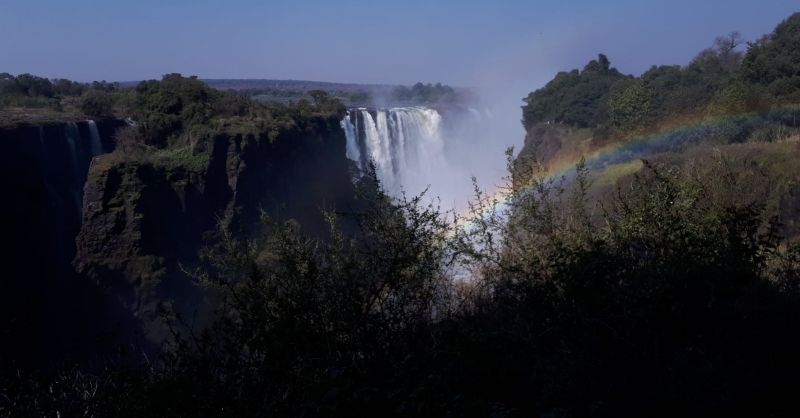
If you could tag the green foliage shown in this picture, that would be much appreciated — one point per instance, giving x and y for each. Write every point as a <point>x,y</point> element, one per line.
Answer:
<point>575,98</point>
<point>181,158</point>
<point>27,90</point>
<point>775,56</point>
<point>179,110</point>
<point>63,87</point>
<point>631,107</point>
<point>601,98</point>
<point>735,98</point>
<point>164,108</point>
<point>677,91</point>
<point>97,104</point>
<point>29,85</point>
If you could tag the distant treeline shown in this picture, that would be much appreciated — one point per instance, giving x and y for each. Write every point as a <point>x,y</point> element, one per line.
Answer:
<point>30,91</point>
<point>163,109</point>
<point>418,94</point>
<point>101,98</point>
<point>284,96</point>
<point>425,93</point>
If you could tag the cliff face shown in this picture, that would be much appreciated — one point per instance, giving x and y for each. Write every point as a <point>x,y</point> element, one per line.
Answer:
<point>94,244</point>
<point>43,169</point>
<point>144,219</point>
<point>42,172</point>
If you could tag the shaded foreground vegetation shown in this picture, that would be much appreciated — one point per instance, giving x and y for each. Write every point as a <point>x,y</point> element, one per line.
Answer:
<point>679,296</point>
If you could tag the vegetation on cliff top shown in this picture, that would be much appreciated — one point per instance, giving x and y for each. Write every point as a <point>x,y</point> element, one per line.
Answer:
<point>352,95</point>
<point>726,95</point>
<point>177,118</point>
<point>719,80</point>
<point>28,98</point>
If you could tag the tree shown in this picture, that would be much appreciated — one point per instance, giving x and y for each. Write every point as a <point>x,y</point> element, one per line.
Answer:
<point>631,108</point>
<point>97,104</point>
<point>63,87</point>
<point>774,60</point>
<point>34,86</point>
<point>725,47</point>
<point>575,98</point>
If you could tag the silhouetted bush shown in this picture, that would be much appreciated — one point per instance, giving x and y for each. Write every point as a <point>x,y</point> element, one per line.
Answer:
<point>670,294</point>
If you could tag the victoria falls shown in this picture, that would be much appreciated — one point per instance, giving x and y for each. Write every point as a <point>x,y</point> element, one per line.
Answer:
<point>441,209</point>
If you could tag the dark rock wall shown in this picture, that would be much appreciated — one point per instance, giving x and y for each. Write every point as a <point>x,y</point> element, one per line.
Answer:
<point>144,222</point>
<point>42,173</point>
<point>93,249</point>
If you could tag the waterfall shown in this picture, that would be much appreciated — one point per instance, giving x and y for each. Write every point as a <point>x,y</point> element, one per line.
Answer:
<point>417,149</point>
<point>73,136</point>
<point>405,144</point>
<point>96,145</point>
<point>353,151</point>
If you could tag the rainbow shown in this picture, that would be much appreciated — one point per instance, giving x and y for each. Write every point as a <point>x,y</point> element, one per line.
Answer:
<point>670,137</point>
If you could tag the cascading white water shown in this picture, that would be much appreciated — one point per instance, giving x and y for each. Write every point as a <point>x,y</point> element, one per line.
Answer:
<point>96,146</point>
<point>415,149</point>
<point>404,143</point>
<point>353,152</point>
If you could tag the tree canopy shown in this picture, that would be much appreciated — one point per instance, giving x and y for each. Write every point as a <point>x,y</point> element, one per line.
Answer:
<point>720,79</point>
<point>577,98</point>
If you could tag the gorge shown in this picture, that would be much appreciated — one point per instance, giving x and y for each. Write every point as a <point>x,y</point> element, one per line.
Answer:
<point>532,238</point>
<point>103,236</point>
<point>115,230</point>
<point>44,170</point>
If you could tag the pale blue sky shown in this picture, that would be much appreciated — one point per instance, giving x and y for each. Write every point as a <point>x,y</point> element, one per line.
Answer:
<point>512,43</point>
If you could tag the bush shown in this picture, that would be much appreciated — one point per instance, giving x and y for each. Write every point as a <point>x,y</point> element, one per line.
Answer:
<point>671,293</point>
